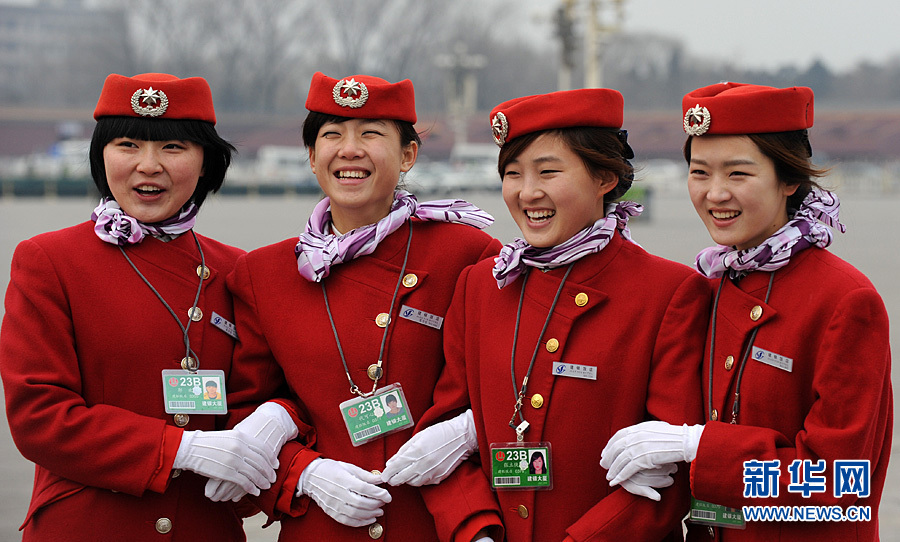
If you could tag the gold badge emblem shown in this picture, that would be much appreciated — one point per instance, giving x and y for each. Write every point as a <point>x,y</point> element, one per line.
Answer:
<point>149,102</point>
<point>499,129</point>
<point>696,121</point>
<point>350,93</point>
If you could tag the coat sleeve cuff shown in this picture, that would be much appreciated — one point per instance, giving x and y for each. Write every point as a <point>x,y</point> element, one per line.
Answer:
<point>171,442</point>
<point>482,520</point>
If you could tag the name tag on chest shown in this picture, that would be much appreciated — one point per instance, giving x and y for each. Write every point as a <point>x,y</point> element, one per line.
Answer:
<point>574,370</point>
<point>775,360</point>
<point>421,317</point>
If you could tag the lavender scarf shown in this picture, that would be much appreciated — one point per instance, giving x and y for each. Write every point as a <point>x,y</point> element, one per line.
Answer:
<point>517,255</point>
<point>115,226</point>
<point>318,250</point>
<point>808,227</point>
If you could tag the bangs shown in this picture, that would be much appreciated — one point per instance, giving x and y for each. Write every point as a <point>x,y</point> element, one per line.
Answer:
<point>149,129</point>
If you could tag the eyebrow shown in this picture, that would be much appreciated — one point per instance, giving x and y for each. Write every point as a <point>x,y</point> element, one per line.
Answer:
<point>736,162</point>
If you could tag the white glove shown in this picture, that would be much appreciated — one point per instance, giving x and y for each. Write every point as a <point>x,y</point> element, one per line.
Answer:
<point>646,446</point>
<point>643,483</point>
<point>271,424</point>
<point>433,453</point>
<point>345,492</point>
<point>484,539</point>
<point>227,455</point>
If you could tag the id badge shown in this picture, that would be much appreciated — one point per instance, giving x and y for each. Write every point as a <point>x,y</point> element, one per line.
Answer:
<point>521,465</point>
<point>716,515</point>
<point>202,392</point>
<point>370,418</point>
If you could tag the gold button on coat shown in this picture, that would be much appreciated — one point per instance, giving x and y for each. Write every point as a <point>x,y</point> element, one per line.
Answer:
<point>523,511</point>
<point>552,345</point>
<point>714,415</point>
<point>729,363</point>
<point>203,272</point>
<point>383,319</point>
<point>755,313</point>
<point>374,371</point>
<point>537,400</point>
<point>376,472</point>
<point>182,419</point>
<point>375,531</point>
<point>581,299</point>
<point>163,525</point>
<point>410,280</point>
<point>189,363</point>
<point>195,314</point>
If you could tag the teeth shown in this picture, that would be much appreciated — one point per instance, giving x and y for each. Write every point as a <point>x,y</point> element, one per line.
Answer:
<point>352,174</point>
<point>722,215</point>
<point>148,189</point>
<point>540,215</point>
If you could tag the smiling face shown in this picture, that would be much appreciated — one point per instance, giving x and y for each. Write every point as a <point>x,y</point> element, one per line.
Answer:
<point>358,163</point>
<point>152,180</point>
<point>550,193</point>
<point>735,190</point>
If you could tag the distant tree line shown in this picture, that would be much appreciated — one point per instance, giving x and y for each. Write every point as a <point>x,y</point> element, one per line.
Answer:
<point>259,56</point>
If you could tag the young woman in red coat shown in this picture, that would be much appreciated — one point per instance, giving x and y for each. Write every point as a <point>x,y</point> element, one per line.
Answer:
<point>797,375</point>
<point>573,333</point>
<point>351,314</point>
<point>103,318</point>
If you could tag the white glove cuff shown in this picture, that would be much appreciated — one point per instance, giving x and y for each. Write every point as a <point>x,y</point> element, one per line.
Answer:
<point>471,434</point>
<point>301,485</point>
<point>183,449</point>
<point>692,436</point>
<point>279,414</point>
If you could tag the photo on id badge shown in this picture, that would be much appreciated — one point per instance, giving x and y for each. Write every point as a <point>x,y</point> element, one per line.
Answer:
<point>211,388</point>
<point>392,405</point>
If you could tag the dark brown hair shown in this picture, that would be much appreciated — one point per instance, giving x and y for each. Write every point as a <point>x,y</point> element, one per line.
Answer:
<point>792,155</point>
<point>602,150</point>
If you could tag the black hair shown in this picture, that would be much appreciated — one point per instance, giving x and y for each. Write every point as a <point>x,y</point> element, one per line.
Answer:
<point>315,120</point>
<point>216,151</point>
<point>602,150</point>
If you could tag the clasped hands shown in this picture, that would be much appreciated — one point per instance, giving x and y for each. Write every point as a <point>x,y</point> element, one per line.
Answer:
<point>641,458</point>
<point>240,460</point>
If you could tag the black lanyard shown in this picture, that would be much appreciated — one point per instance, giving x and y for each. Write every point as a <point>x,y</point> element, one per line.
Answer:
<point>353,387</point>
<point>523,426</point>
<point>191,360</point>
<point>712,346</point>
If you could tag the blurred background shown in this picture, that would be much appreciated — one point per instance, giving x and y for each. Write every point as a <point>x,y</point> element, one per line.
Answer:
<point>464,57</point>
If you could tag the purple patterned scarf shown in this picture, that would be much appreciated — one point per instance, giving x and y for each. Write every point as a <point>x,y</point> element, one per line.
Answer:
<point>114,226</point>
<point>801,232</point>
<point>318,249</point>
<point>517,255</point>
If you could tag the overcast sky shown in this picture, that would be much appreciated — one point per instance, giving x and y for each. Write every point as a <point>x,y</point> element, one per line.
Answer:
<point>768,33</point>
<point>751,33</point>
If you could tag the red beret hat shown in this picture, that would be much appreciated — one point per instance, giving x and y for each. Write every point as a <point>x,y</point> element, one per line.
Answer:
<point>598,107</point>
<point>738,108</point>
<point>156,95</point>
<point>362,97</point>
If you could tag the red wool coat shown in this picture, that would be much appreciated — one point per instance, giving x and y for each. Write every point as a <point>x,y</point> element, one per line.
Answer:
<point>82,348</point>
<point>835,403</point>
<point>282,322</point>
<point>642,325</point>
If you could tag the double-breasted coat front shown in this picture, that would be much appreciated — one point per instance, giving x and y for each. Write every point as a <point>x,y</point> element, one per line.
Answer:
<point>284,323</point>
<point>640,321</point>
<point>82,348</point>
<point>832,402</point>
